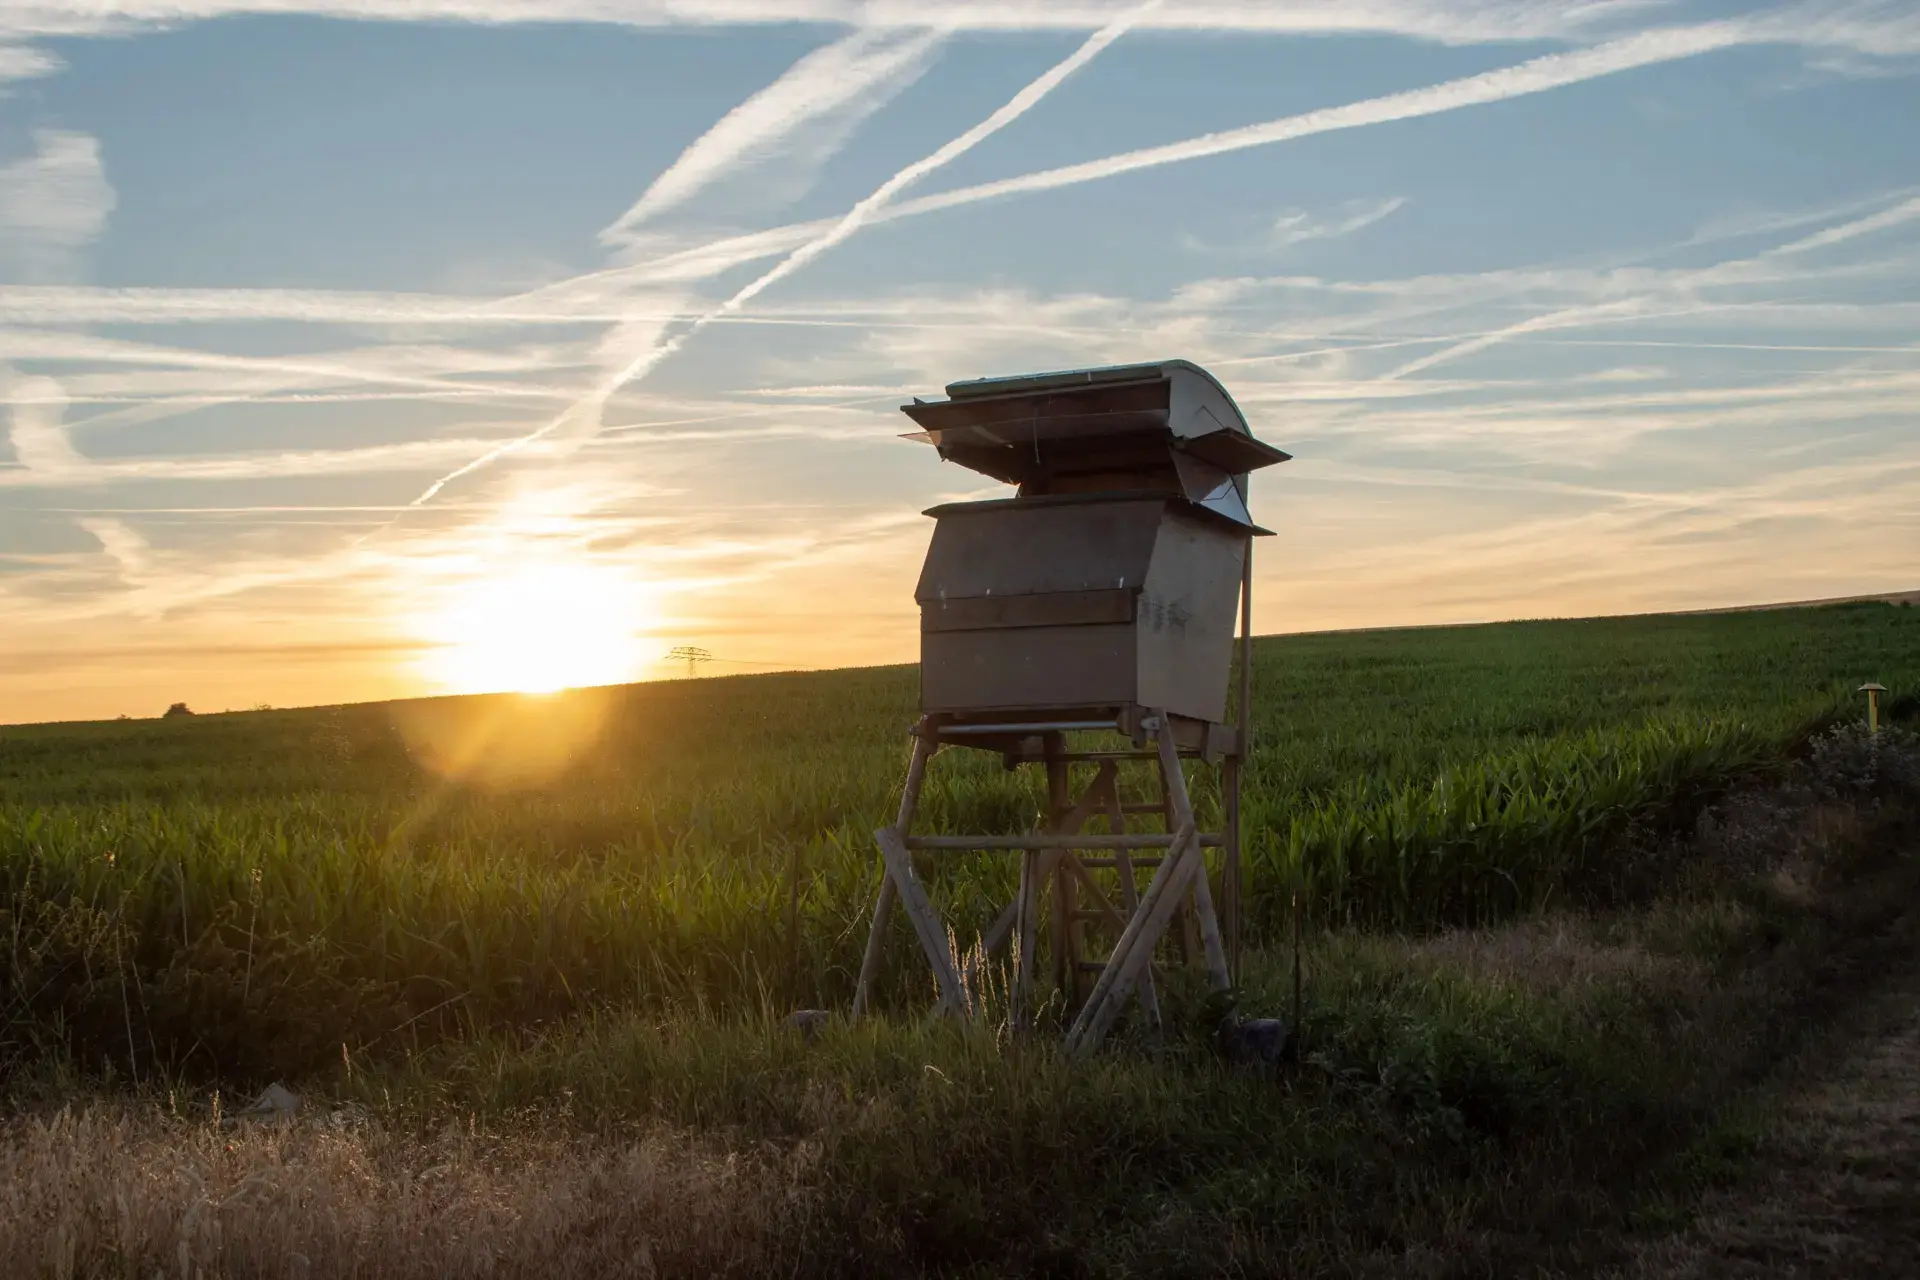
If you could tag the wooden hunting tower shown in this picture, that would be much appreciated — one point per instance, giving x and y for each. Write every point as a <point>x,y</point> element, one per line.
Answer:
<point>1100,598</point>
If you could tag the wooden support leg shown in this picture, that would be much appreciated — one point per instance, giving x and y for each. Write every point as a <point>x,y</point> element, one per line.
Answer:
<point>1186,940</point>
<point>1001,929</point>
<point>1170,883</point>
<point>1181,806</point>
<point>1230,871</point>
<point>1060,811</point>
<point>1217,971</point>
<point>1135,948</point>
<point>1026,904</point>
<point>876,945</point>
<point>1186,935</point>
<point>1130,896</point>
<point>926,922</point>
<point>883,904</point>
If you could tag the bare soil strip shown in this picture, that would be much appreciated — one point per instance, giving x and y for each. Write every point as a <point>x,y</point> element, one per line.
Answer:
<point>1837,1190</point>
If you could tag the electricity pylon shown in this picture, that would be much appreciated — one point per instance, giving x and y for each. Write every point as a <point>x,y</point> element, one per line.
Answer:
<point>690,655</point>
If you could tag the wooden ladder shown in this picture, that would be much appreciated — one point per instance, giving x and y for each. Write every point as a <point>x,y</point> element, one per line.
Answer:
<point>1064,856</point>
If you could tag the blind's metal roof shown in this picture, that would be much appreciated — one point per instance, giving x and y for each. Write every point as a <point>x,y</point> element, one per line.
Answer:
<point>1117,418</point>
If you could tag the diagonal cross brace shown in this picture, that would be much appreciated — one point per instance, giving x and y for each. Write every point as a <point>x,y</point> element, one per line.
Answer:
<point>1134,952</point>
<point>926,922</point>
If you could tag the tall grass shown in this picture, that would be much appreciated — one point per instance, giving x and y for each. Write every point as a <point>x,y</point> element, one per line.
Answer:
<point>261,892</point>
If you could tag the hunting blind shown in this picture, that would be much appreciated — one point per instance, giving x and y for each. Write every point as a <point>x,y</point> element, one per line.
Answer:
<point>1099,600</point>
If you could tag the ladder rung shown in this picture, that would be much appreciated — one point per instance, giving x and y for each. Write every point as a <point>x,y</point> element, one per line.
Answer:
<point>1054,840</point>
<point>1090,966</point>
<point>1143,808</point>
<point>1092,757</point>
<point>1152,861</point>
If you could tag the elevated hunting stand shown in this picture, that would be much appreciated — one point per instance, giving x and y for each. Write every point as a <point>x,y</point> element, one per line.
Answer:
<point>1100,599</point>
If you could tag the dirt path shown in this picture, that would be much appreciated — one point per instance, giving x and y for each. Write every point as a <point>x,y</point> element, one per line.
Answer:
<point>1837,1191</point>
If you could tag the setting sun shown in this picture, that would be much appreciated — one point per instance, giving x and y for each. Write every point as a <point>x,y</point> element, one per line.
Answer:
<point>539,628</point>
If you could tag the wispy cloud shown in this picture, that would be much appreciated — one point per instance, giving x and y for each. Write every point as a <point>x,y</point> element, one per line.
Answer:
<point>20,63</point>
<point>1544,485</point>
<point>53,203</point>
<point>605,295</point>
<point>797,122</point>
<point>1301,226</point>
<point>41,446</point>
<point>57,466</point>
<point>1539,75</point>
<point>122,543</point>
<point>586,415</point>
<point>1432,19</point>
<point>1679,284</point>
<point>1297,227</point>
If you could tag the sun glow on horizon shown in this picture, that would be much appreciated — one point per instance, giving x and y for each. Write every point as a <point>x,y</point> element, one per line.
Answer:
<point>539,628</point>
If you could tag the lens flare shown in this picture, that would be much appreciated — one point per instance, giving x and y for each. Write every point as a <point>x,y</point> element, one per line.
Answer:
<point>538,628</point>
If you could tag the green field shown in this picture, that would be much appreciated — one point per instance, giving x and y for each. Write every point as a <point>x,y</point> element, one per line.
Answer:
<point>548,944</point>
<point>278,884</point>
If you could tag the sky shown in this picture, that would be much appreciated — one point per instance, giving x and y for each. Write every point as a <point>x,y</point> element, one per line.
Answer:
<point>355,349</point>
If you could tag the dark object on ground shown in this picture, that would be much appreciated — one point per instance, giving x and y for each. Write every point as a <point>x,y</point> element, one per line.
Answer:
<point>808,1022</point>
<point>178,709</point>
<point>1257,1042</point>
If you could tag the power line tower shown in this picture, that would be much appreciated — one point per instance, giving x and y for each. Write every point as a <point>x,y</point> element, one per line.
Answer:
<point>692,656</point>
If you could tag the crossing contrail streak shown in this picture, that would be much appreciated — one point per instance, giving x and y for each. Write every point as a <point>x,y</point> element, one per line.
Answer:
<point>1632,307</point>
<point>1538,75</point>
<point>847,80</point>
<point>585,414</point>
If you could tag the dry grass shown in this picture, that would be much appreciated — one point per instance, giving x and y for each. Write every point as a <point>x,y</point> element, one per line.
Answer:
<point>114,1190</point>
<point>1558,955</point>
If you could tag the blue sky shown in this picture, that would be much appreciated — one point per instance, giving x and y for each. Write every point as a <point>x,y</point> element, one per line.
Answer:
<point>319,323</point>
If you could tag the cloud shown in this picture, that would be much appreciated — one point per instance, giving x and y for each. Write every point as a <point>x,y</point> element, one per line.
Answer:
<point>123,544</point>
<point>1678,285</point>
<point>1435,20</point>
<point>38,431</point>
<point>1539,75</point>
<point>1894,216</point>
<point>798,121</point>
<point>584,417</point>
<point>595,298</point>
<point>20,63</point>
<point>1298,226</point>
<point>55,469</point>
<point>604,295</point>
<point>53,204</point>
<point>1552,71</point>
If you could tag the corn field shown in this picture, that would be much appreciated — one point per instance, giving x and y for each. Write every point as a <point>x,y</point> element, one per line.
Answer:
<point>272,891</point>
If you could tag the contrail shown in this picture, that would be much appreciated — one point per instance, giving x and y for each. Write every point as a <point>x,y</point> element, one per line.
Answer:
<point>586,412</point>
<point>1724,272</point>
<point>852,78</point>
<point>1552,71</point>
<point>1538,75</point>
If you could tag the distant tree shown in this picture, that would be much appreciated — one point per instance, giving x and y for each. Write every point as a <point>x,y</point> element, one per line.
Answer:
<point>179,709</point>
